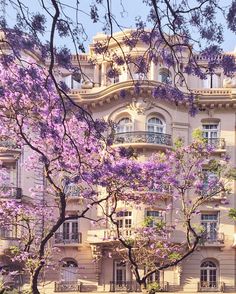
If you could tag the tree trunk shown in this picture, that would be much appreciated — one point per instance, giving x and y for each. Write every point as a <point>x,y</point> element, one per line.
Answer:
<point>34,281</point>
<point>144,288</point>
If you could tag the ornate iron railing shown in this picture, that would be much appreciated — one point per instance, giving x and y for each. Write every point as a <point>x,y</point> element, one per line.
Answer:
<point>68,238</point>
<point>132,286</point>
<point>143,137</point>
<point>10,192</point>
<point>8,144</point>
<point>217,143</point>
<point>124,286</point>
<point>71,286</point>
<point>211,286</point>
<point>212,238</point>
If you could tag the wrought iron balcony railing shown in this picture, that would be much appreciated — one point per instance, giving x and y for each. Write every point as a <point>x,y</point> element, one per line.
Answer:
<point>8,144</point>
<point>10,192</point>
<point>213,238</point>
<point>68,238</point>
<point>68,286</point>
<point>217,143</point>
<point>143,137</point>
<point>211,286</point>
<point>125,286</point>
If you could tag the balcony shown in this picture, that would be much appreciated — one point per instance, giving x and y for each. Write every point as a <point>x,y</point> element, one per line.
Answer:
<point>10,192</point>
<point>212,239</point>
<point>67,286</point>
<point>216,143</point>
<point>73,239</point>
<point>107,235</point>
<point>124,286</point>
<point>143,138</point>
<point>8,238</point>
<point>211,286</point>
<point>7,144</point>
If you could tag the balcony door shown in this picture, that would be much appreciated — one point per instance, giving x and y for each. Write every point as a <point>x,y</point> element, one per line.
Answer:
<point>124,125</point>
<point>155,125</point>
<point>70,231</point>
<point>210,132</point>
<point>209,221</point>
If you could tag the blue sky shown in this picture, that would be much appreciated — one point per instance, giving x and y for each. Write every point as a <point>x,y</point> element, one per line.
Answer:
<point>125,12</point>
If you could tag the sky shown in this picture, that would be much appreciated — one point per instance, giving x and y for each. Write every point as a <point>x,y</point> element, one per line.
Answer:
<point>124,10</point>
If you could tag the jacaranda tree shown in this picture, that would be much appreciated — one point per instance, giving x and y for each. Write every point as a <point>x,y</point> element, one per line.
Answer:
<point>37,112</point>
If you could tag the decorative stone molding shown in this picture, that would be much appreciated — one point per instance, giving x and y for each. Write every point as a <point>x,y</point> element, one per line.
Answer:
<point>229,83</point>
<point>140,105</point>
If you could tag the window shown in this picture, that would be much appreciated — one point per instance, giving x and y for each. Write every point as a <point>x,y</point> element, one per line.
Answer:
<point>124,222</point>
<point>209,222</point>
<point>210,182</point>
<point>69,271</point>
<point>69,233</point>
<point>210,131</point>
<point>124,219</point>
<point>153,217</point>
<point>164,76</point>
<point>156,125</point>
<point>70,230</point>
<point>212,81</point>
<point>73,81</point>
<point>124,125</point>
<point>208,275</point>
<point>9,232</point>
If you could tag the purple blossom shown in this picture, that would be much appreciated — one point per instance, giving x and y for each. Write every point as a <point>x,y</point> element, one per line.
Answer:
<point>112,73</point>
<point>38,23</point>
<point>62,28</point>
<point>231,17</point>
<point>228,64</point>
<point>94,13</point>
<point>123,93</point>
<point>63,57</point>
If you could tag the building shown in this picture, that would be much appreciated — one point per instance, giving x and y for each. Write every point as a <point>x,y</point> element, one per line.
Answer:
<point>148,125</point>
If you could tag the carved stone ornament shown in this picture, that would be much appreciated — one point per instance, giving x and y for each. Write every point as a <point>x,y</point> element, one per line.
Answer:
<point>229,83</point>
<point>140,105</point>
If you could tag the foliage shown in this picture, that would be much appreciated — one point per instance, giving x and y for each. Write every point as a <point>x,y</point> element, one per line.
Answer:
<point>179,177</point>
<point>37,114</point>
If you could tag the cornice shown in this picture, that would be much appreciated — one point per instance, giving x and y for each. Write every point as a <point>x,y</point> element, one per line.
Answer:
<point>98,96</point>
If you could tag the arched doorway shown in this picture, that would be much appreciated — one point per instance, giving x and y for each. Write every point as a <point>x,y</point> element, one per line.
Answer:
<point>69,271</point>
<point>208,274</point>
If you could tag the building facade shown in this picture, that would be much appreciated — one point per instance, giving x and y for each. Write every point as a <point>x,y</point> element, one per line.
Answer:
<point>148,125</point>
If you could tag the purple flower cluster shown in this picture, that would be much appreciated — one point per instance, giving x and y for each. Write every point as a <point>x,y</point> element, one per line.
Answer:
<point>38,23</point>
<point>63,57</point>
<point>231,17</point>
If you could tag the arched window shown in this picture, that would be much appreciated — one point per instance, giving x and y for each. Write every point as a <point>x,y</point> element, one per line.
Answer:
<point>156,125</point>
<point>124,125</point>
<point>164,76</point>
<point>208,274</point>
<point>69,271</point>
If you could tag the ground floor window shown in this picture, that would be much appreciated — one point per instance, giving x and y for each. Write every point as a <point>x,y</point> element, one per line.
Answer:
<point>208,274</point>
